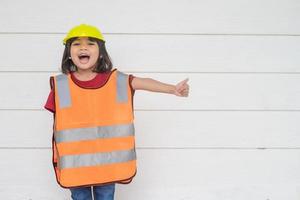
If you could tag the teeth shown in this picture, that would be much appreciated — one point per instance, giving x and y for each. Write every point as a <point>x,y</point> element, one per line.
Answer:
<point>83,55</point>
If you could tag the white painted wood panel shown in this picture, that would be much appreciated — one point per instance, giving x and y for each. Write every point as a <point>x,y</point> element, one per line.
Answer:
<point>175,129</point>
<point>207,91</point>
<point>168,174</point>
<point>242,58</point>
<point>161,53</point>
<point>156,16</point>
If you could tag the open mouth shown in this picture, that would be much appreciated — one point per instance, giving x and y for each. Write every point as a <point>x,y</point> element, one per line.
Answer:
<point>84,58</point>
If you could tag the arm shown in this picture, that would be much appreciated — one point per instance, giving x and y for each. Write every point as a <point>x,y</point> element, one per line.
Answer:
<point>149,84</point>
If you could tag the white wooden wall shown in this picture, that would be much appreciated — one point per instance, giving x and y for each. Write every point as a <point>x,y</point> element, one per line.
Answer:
<point>237,137</point>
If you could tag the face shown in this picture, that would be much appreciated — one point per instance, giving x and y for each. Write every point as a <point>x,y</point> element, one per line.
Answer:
<point>84,53</point>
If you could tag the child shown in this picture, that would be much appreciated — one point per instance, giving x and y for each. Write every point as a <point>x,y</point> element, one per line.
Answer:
<point>93,132</point>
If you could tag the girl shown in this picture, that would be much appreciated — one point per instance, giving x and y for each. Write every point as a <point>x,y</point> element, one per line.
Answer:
<point>93,132</point>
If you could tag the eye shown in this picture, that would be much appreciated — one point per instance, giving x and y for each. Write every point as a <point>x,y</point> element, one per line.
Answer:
<point>75,44</point>
<point>91,43</point>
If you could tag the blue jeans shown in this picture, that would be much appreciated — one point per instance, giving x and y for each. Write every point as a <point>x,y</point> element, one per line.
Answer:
<point>104,192</point>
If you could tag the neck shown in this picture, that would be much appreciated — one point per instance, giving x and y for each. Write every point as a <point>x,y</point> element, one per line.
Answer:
<point>84,75</point>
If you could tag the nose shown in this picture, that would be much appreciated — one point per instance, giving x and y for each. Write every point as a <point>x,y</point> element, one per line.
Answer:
<point>83,46</point>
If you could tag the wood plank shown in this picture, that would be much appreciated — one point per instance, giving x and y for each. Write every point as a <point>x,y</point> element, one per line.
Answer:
<point>168,174</point>
<point>156,16</point>
<point>162,53</point>
<point>175,129</point>
<point>207,92</point>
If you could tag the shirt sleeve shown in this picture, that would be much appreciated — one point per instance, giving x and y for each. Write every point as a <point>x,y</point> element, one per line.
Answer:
<point>50,103</point>
<point>131,77</point>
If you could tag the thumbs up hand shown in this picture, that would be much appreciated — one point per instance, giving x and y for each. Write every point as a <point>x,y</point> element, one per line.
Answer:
<point>182,88</point>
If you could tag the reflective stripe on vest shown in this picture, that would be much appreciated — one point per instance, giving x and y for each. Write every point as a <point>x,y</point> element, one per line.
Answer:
<point>63,91</point>
<point>94,132</point>
<point>121,87</point>
<point>79,134</point>
<point>86,160</point>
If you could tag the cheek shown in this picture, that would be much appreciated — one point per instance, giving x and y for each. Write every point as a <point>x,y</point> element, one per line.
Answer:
<point>96,54</point>
<point>73,52</point>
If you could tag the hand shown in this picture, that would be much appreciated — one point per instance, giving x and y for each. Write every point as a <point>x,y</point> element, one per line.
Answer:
<point>182,88</point>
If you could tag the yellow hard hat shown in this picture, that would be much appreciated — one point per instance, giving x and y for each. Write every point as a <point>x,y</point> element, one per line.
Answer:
<point>84,30</point>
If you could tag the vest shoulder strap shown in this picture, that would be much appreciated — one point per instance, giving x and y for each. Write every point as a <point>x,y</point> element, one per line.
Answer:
<point>63,90</point>
<point>122,89</point>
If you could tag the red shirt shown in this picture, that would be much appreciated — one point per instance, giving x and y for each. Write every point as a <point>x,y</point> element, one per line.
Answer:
<point>98,81</point>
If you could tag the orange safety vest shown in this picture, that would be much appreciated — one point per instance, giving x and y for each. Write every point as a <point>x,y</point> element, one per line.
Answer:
<point>93,137</point>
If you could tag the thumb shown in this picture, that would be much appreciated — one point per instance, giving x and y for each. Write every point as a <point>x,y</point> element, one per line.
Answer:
<point>180,84</point>
<point>184,81</point>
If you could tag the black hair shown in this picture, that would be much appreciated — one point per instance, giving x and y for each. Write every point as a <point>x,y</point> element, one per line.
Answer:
<point>103,64</point>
